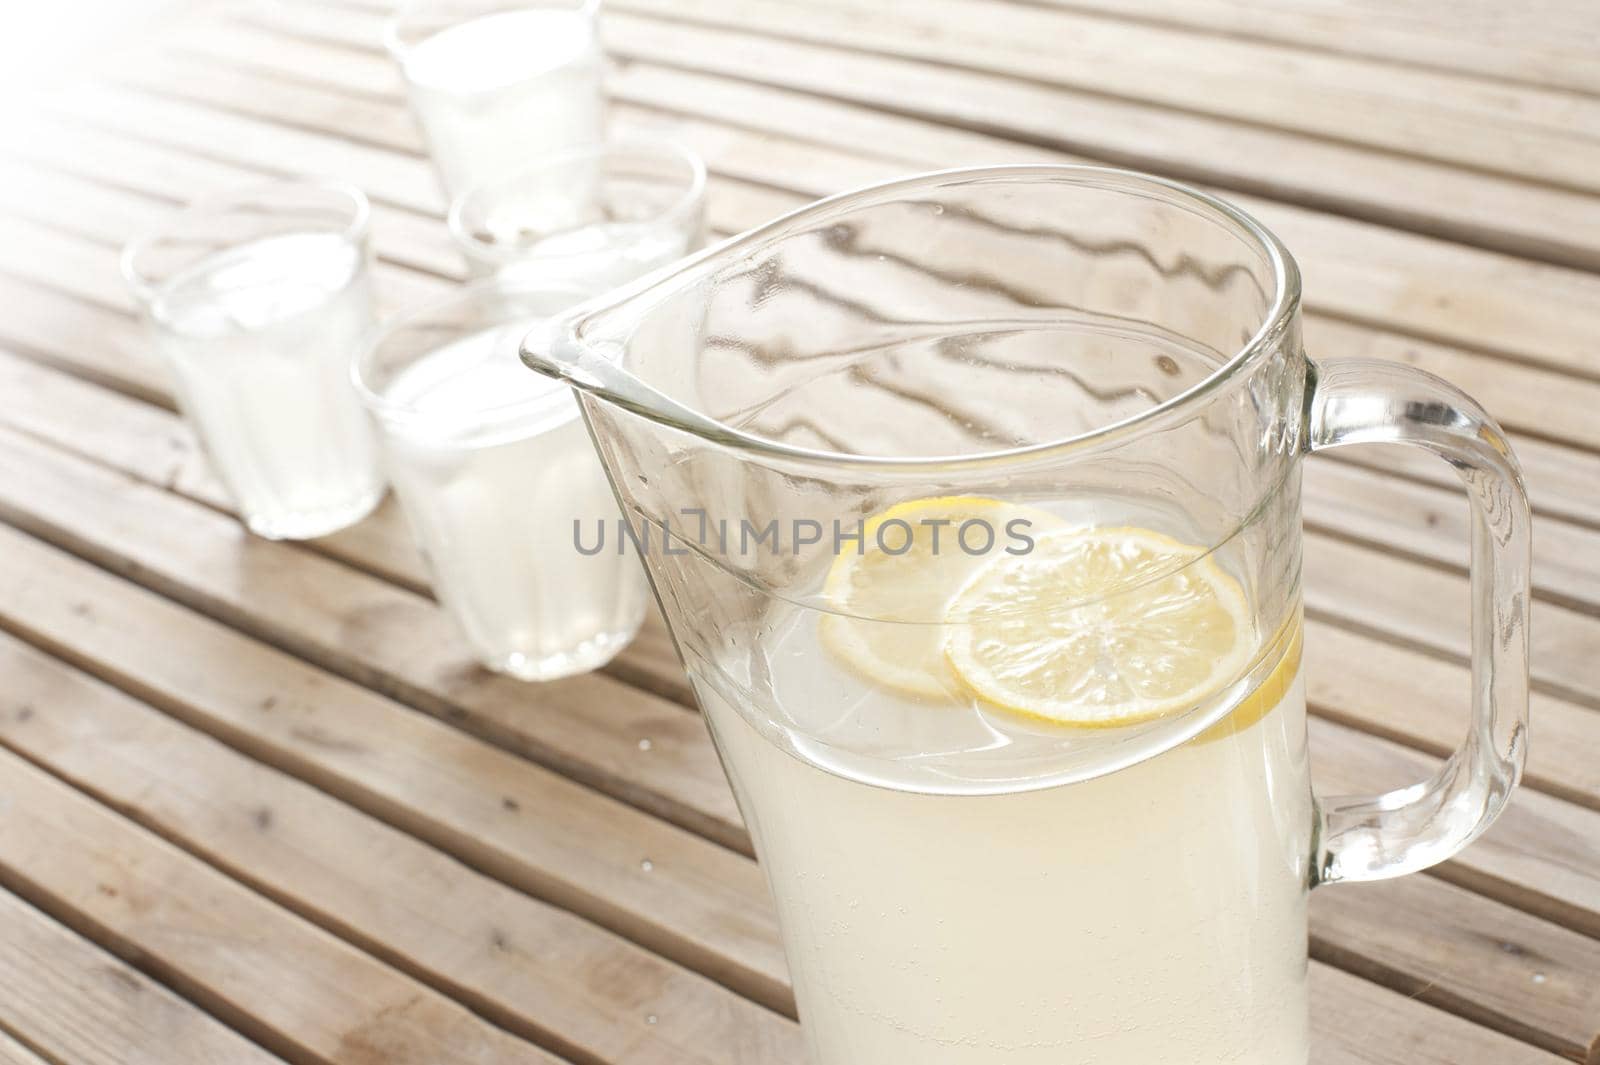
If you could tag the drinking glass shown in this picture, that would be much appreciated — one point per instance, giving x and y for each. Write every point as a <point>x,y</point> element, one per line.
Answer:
<point>593,217</point>
<point>257,298</point>
<point>498,85</point>
<point>1040,796</point>
<point>495,473</point>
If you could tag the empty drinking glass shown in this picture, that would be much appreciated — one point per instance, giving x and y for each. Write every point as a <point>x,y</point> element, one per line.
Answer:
<point>258,298</point>
<point>593,217</point>
<point>496,474</point>
<point>499,84</point>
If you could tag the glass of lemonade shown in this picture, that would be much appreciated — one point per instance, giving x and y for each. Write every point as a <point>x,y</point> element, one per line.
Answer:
<point>973,504</point>
<point>257,299</point>
<point>498,85</point>
<point>592,217</point>
<point>494,470</point>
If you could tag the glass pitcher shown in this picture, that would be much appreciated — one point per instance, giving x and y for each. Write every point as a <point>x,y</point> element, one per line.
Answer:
<point>972,501</point>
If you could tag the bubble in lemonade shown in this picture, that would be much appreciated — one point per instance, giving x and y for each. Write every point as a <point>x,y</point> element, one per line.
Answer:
<point>1006,839</point>
<point>496,93</point>
<point>260,338</point>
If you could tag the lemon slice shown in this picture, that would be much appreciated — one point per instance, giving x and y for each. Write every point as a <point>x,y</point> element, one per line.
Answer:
<point>913,587</point>
<point>1161,627</point>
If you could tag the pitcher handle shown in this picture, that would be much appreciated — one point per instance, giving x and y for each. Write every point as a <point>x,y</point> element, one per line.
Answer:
<point>1369,401</point>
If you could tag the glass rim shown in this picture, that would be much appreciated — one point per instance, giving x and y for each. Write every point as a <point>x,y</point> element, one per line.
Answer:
<point>395,23</point>
<point>393,412</point>
<point>687,202</point>
<point>565,330</point>
<point>217,201</point>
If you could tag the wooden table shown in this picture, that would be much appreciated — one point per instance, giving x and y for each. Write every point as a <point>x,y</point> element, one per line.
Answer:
<point>255,802</point>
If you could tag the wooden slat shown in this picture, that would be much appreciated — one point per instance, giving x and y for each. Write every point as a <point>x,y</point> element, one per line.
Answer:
<point>14,1053</point>
<point>1359,260</point>
<point>1543,888</point>
<point>1355,1021</point>
<point>1559,477</point>
<point>1360,272</point>
<point>1025,71</point>
<point>1363,271</point>
<point>372,632</point>
<point>81,265</point>
<point>1429,288</point>
<point>82,338</point>
<point>698,903</point>
<point>1525,396</point>
<point>1391,691</point>
<point>399,236</point>
<point>152,443</point>
<point>400,181</point>
<point>1519,974</point>
<point>1501,42</point>
<point>73,1002</point>
<point>1546,45</point>
<point>544,974</point>
<point>284,983</point>
<point>1428,607</point>
<point>1434,524</point>
<point>1462,120</point>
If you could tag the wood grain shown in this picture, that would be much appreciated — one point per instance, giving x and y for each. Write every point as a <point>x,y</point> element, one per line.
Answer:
<point>73,1002</point>
<point>1361,272</point>
<point>758,42</point>
<point>1542,401</point>
<point>534,969</point>
<point>1487,40</point>
<point>697,903</point>
<point>284,983</point>
<point>14,1053</point>
<point>1527,977</point>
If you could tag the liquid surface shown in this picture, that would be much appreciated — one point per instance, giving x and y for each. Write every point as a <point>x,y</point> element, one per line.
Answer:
<point>492,500</point>
<point>497,94</point>
<point>260,338</point>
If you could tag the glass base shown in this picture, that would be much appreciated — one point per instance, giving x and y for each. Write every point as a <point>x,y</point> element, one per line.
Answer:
<point>586,656</point>
<point>312,524</point>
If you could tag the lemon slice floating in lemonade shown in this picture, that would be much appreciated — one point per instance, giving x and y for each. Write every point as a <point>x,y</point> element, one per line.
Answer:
<point>1157,627</point>
<point>911,591</point>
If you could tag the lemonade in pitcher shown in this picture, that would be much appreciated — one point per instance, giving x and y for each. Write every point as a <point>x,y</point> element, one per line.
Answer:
<point>1011,907</point>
